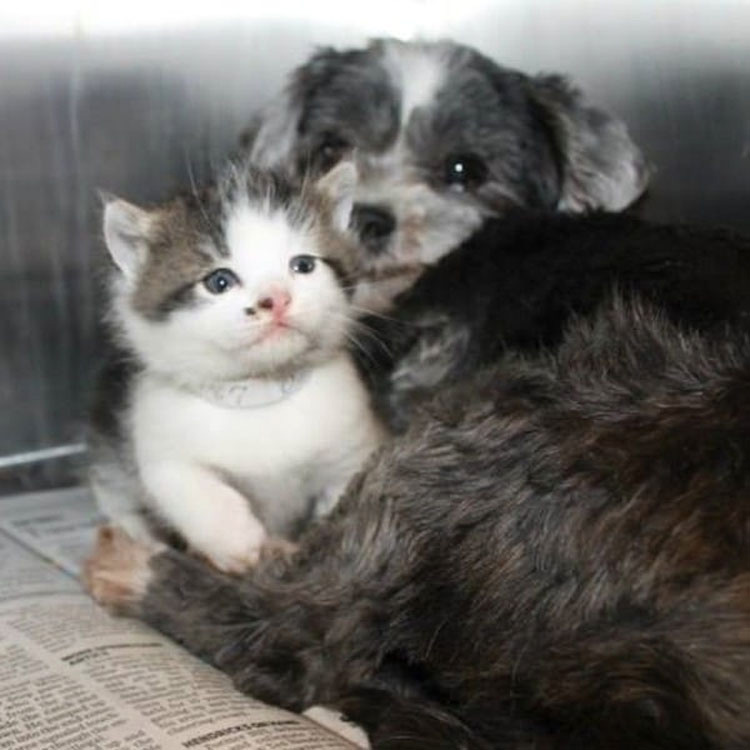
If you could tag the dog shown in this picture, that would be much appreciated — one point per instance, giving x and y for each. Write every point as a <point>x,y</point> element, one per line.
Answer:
<point>442,137</point>
<point>554,556</point>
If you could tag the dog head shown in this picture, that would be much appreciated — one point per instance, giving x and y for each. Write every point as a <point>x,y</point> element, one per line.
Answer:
<point>443,138</point>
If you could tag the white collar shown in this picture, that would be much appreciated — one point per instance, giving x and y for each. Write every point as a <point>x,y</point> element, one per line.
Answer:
<point>253,393</point>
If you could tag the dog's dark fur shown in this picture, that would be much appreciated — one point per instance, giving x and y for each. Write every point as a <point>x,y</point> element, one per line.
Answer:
<point>516,283</point>
<point>555,556</point>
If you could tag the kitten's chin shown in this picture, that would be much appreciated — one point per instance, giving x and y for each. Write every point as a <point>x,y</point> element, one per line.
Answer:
<point>277,354</point>
<point>280,352</point>
<point>278,342</point>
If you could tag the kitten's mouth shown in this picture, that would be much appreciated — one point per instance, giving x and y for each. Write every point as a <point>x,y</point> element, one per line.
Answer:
<point>275,328</point>
<point>278,329</point>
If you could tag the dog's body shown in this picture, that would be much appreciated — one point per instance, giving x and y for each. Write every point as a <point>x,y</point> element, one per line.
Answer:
<point>443,138</point>
<point>515,285</point>
<point>555,556</point>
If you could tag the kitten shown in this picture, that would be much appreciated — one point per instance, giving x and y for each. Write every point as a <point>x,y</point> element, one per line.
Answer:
<point>235,411</point>
<point>555,556</point>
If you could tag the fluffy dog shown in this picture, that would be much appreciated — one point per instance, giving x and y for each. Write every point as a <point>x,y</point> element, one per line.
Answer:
<point>443,137</point>
<point>555,556</point>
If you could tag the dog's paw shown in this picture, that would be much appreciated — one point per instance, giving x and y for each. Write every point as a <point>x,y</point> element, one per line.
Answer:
<point>117,573</point>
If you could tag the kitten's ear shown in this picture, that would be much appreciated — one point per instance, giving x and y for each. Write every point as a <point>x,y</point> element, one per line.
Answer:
<point>126,231</point>
<point>337,188</point>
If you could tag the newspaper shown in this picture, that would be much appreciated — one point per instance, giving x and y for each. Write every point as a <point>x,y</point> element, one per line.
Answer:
<point>73,677</point>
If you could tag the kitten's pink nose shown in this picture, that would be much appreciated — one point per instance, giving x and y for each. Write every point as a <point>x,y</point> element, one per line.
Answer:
<point>277,301</point>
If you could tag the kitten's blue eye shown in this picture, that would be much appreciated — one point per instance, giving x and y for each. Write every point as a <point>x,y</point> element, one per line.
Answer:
<point>217,282</point>
<point>302,263</point>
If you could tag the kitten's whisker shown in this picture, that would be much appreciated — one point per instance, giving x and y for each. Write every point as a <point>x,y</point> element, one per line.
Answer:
<point>366,312</point>
<point>358,327</point>
<point>382,345</point>
<point>367,355</point>
<point>380,316</point>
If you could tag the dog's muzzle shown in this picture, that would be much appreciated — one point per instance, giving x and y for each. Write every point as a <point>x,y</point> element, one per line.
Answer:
<point>374,225</point>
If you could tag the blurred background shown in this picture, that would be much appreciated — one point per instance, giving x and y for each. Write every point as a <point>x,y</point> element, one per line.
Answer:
<point>140,98</point>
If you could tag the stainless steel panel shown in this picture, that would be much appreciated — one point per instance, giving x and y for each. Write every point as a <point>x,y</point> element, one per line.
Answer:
<point>139,99</point>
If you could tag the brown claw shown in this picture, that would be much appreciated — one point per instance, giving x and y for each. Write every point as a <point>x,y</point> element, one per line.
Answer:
<point>117,573</point>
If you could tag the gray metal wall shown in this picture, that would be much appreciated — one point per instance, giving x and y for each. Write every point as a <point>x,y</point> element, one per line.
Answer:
<point>138,99</point>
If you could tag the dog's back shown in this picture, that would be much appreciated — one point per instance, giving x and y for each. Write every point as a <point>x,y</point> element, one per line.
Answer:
<point>580,535</point>
<point>517,283</point>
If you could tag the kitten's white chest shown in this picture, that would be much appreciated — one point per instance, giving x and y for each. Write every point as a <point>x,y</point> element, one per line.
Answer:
<point>283,453</point>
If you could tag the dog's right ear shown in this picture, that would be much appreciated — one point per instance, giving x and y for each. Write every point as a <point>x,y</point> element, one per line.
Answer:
<point>272,139</point>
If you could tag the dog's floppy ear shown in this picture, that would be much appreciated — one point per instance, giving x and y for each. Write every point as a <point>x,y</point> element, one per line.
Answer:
<point>601,166</point>
<point>272,138</point>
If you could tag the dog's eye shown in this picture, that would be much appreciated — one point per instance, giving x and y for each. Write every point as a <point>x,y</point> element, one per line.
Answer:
<point>330,151</point>
<point>217,282</point>
<point>302,263</point>
<point>464,171</point>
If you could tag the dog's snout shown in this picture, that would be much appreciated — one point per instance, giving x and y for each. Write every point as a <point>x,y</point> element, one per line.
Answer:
<point>373,224</point>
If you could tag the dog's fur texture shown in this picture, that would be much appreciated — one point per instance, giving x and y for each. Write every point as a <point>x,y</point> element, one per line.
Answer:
<point>516,283</point>
<point>442,137</point>
<point>555,556</point>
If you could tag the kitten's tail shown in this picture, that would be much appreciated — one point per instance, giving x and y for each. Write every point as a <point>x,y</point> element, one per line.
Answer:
<point>394,722</point>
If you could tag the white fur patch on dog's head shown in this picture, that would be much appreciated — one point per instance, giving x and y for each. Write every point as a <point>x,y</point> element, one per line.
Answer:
<point>417,72</point>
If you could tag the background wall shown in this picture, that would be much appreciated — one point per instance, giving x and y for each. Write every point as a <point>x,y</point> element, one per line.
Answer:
<point>143,97</point>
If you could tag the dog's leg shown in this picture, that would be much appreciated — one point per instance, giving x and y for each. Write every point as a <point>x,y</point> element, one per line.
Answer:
<point>296,630</point>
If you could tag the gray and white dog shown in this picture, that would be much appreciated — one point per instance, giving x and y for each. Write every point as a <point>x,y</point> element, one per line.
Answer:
<point>443,137</point>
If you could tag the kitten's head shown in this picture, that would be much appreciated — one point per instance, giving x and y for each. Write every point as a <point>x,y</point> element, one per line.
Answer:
<point>247,279</point>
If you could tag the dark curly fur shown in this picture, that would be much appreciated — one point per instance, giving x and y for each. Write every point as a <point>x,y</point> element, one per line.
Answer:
<point>517,282</point>
<point>555,556</point>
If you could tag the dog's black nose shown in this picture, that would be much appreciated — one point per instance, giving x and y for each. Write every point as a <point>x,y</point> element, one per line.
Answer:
<point>373,224</point>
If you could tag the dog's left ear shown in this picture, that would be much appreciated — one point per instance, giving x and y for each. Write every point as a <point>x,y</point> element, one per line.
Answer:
<point>602,167</point>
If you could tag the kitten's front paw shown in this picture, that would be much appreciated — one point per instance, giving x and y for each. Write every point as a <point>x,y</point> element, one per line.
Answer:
<point>278,548</point>
<point>234,547</point>
<point>117,573</point>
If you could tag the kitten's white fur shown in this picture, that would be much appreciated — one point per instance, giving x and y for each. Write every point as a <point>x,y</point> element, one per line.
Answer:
<point>307,445</point>
<point>205,467</point>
